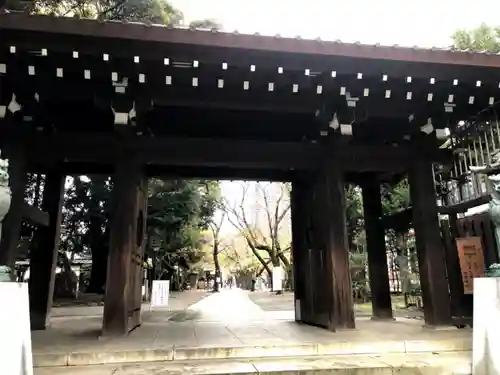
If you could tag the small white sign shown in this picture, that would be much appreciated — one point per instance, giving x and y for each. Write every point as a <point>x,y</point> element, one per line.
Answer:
<point>160,293</point>
<point>277,279</point>
<point>16,356</point>
<point>298,313</point>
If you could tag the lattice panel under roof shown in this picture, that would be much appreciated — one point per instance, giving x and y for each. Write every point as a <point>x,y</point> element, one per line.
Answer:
<point>278,88</point>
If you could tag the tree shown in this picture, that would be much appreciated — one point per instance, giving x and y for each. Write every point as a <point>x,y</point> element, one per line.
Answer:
<point>149,11</point>
<point>483,38</point>
<point>205,24</point>
<point>354,214</point>
<point>215,227</point>
<point>85,218</point>
<point>395,197</point>
<point>153,11</point>
<point>265,234</point>
<point>178,213</point>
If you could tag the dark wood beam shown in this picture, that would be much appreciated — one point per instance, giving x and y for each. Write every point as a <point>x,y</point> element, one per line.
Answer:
<point>34,215</point>
<point>464,206</point>
<point>399,221</point>
<point>173,172</point>
<point>403,219</point>
<point>222,153</point>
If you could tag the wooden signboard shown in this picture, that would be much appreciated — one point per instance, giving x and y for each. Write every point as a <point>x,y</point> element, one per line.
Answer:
<point>160,293</point>
<point>470,254</point>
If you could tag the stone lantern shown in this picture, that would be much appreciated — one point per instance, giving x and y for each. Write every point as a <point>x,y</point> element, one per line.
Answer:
<point>494,212</point>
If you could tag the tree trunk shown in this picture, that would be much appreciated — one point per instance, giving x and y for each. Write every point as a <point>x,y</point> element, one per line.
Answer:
<point>259,258</point>
<point>217,267</point>
<point>67,279</point>
<point>98,242</point>
<point>100,250</point>
<point>97,281</point>
<point>37,196</point>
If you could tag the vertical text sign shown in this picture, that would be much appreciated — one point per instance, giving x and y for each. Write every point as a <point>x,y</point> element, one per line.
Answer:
<point>277,279</point>
<point>470,254</point>
<point>160,293</point>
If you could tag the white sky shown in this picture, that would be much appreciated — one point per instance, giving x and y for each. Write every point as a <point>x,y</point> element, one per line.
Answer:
<point>419,22</point>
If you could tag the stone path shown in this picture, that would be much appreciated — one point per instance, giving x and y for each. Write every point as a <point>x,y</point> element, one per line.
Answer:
<point>229,306</point>
<point>282,306</point>
<point>228,333</point>
<point>429,364</point>
<point>229,326</point>
<point>178,301</point>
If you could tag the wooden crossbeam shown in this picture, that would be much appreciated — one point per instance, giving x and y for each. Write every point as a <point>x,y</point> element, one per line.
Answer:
<point>221,153</point>
<point>34,215</point>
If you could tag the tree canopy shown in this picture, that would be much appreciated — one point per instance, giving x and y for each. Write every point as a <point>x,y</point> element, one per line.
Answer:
<point>483,38</point>
<point>149,11</point>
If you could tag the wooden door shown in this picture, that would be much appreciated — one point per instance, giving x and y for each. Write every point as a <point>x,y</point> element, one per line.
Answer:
<point>137,258</point>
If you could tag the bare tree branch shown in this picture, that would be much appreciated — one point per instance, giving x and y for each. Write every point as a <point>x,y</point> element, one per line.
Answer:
<point>253,235</point>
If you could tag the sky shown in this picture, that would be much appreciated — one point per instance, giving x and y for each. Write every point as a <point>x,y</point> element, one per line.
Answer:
<point>424,23</point>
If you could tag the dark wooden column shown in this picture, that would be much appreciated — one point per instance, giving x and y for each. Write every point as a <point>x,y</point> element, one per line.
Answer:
<point>11,228</point>
<point>377,255</point>
<point>336,250</point>
<point>43,255</point>
<point>120,289</point>
<point>299,245</point>
<point>435,293</point>
<point>309,263</point>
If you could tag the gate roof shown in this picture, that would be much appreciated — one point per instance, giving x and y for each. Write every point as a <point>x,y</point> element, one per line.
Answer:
<point>206,82</point>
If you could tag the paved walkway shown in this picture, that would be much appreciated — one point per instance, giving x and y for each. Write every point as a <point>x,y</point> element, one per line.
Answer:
<point>409,364</point>
<point>178,301</point>
<point>229,325</point>
<point>283,305</point>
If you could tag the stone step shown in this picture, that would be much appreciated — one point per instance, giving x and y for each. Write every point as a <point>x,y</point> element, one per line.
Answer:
<point>126,355</point>
<point>389,364</point>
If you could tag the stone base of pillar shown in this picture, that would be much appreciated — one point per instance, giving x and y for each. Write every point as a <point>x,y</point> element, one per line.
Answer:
<point>298,312</point>
<point>39,322</point>
<point>382,318</point>
<point>449,327</point>
<point>15,339</point>
<point>486,333</point>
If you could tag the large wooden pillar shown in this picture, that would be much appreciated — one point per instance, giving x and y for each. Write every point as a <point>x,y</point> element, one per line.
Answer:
<point>299,246</point>
<point>333,300</point>
<point>11,226</point>
<point>327,295</point>
<point>309,259</point>
<point>375,241</point>
<point>122,301</point>
<point>435,292</point>
<point>43,255</point>
<point>336,248</point>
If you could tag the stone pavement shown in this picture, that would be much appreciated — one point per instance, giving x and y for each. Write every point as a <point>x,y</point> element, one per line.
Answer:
<point>283,305</point>
<point>229,326</point>
<point>393,364</point>
<point>178,301</point>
